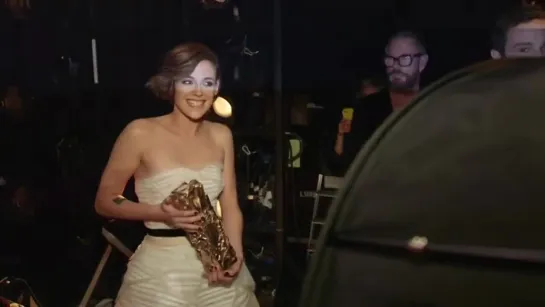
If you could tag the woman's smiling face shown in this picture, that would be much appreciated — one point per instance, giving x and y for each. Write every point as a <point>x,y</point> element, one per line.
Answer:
<point>195,94</point>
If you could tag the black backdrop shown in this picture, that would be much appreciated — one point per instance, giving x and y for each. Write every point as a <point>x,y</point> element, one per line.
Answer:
<point>326,43</point>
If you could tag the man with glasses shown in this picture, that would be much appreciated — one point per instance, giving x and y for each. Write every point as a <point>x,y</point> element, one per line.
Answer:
<point>405,59</point>
<point>519,33</point>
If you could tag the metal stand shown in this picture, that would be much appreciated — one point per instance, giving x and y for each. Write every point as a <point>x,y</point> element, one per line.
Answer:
<point>280,140</point>
<point>326,187</point>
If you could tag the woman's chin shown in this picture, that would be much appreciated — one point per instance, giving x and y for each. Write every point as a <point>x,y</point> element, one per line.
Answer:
<point>195,116</point>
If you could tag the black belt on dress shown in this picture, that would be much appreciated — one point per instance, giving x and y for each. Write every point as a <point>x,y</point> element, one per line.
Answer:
<point>169,233</point>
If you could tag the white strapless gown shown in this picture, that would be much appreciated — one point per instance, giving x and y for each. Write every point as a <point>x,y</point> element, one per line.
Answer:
<point>165,272</point>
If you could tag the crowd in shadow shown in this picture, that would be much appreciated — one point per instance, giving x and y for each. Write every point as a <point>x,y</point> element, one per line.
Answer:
<point>52,153</point>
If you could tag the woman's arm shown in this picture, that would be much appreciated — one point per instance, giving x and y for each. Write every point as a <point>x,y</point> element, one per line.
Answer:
<point>230,210</point>
<point>124,160</point>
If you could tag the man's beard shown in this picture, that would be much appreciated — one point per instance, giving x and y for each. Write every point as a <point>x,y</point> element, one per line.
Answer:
<point>408,84</point>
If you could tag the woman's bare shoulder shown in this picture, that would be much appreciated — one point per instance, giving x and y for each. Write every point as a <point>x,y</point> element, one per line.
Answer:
<point>219,131</point>
<point>140,127</point>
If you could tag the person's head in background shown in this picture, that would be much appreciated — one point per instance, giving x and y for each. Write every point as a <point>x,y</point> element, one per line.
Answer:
<point>520,33</point>
<point>405,59</point>
<point>370,86</point>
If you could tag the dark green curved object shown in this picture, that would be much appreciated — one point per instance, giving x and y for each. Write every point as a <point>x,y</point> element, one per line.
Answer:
<point>462,169</point>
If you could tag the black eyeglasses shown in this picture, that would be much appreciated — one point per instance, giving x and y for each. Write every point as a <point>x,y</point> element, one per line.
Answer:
<point>403,60</point>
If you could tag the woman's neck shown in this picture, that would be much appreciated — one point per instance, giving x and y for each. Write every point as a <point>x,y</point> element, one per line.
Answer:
<point>183,125</point>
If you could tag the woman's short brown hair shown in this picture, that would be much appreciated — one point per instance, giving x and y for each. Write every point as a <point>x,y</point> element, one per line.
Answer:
<point>178,63</point>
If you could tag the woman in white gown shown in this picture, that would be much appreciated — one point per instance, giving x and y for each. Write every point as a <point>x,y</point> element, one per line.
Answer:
<point>161,153</point>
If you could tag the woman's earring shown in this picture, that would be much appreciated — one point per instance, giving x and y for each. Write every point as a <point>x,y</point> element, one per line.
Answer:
<point>222,107</point>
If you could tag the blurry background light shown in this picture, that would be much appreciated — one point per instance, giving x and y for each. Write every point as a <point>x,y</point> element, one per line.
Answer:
<point>222,107</point>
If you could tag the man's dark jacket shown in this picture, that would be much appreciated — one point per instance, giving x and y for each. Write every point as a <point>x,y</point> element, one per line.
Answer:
<point>369,113</point>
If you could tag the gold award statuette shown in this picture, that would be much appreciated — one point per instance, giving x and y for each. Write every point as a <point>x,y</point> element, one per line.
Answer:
<point>211,242</point>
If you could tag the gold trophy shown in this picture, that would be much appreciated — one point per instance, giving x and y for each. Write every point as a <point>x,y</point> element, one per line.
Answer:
<point>211,242</point>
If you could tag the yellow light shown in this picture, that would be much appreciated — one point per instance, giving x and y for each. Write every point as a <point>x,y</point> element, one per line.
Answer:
<point>222,107</point>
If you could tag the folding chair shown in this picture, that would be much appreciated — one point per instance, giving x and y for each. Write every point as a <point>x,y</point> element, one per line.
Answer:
<point>113,242</point>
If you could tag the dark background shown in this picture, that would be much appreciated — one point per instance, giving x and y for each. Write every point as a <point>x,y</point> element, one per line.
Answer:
<point>325,43</point>
<point>327,46</point>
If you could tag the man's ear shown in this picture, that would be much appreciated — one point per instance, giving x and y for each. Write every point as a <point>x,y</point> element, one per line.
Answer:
<point>423,62</point>
<point>495,54</point>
